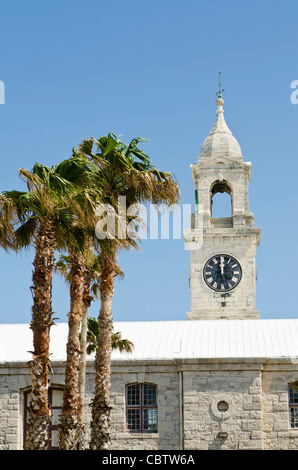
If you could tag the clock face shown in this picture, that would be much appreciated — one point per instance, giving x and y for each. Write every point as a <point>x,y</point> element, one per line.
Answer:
<point>222,273</point>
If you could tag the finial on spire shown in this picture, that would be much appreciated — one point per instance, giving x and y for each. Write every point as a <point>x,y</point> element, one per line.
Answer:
<point>219,94</point>
<point>220,91</point>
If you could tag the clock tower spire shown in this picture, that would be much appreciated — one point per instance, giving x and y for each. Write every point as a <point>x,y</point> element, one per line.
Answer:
<point>222,249</point>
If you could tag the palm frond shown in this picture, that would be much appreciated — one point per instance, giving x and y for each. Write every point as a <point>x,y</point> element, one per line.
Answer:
<point>62,267</point>
<point>123,345</point>
<point>24,234</point>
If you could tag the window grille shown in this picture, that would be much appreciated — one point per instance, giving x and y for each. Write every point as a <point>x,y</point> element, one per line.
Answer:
<point>293,405</point>
<point>141,408</point>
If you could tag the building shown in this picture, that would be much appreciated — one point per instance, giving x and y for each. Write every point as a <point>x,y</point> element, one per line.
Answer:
<point>221,379</point>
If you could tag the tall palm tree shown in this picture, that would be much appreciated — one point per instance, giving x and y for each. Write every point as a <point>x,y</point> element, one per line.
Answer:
<point>41,216</point>
<point>70,437</point>
<point>63,267</point>
<point>70,426</point>
<point>126,171</point>
<point>74,269</point>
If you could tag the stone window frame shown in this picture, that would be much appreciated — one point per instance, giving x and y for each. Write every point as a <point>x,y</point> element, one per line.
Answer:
<point>141,406</point>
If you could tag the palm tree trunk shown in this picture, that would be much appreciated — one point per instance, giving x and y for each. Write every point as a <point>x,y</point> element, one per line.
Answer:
<point>83,351</point>
<point>101,407</point>
<point>37,437</point>
<point>69,429</point>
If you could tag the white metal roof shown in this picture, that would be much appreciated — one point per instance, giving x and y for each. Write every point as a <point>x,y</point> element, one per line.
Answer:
<point>156,340</point>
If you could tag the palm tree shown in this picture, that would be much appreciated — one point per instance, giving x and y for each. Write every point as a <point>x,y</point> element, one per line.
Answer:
<point>124,171</point>
<point>63,267</point>
<point>74,269</point>
<point>75,384</point>
<point>71,426</point>
<point>41,216</point>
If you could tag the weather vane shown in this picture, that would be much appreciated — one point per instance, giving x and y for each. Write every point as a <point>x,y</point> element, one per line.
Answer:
<point>220,91</point>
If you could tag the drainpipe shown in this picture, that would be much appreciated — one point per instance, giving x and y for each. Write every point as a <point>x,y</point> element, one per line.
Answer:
<point>181,417</point>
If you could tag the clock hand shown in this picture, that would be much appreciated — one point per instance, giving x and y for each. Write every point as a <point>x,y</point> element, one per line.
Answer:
<point>222,265</point>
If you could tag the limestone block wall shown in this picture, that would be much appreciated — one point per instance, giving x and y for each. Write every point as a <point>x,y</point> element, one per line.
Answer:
<point>240,419</point>
<point>205,174</point>
<point>226,404</point>
<point>240,302</point>
<point>277,432</point>
<point>16,379</point>
<point>13,379</point>
<point>167,381</point>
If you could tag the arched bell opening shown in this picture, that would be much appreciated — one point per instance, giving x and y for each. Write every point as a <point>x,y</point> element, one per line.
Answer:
<point>221,203</point>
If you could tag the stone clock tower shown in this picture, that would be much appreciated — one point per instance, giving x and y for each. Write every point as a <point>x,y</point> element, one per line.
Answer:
<point>222,250</point>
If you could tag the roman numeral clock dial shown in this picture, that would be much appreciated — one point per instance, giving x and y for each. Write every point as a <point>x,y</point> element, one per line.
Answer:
<point>222,273</point>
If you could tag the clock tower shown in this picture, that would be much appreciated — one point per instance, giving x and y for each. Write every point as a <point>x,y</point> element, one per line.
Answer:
<point>222,249</point>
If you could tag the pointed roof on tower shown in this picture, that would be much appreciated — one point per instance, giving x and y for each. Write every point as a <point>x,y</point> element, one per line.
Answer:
<point>220,141</point>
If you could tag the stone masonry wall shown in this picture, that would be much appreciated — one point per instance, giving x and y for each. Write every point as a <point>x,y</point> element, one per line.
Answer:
<point>278,435</point>
<point>240,302</point>
<point>248,402</point>
<point>12,380</point>
<point>241,420</point>
<point>166,379</point>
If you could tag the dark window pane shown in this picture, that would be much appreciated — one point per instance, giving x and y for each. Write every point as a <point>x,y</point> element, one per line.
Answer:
<point>149,395</point>
<point>133,395</point>
<point>293,396</point>
<point>133,419</point>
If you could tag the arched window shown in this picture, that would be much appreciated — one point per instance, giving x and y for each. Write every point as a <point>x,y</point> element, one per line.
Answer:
<point>141,407</point>
<point>221,199</point>
<point>55,399</point>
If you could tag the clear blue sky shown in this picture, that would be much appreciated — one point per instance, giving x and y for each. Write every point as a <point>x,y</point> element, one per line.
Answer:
<point>76,69</point>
